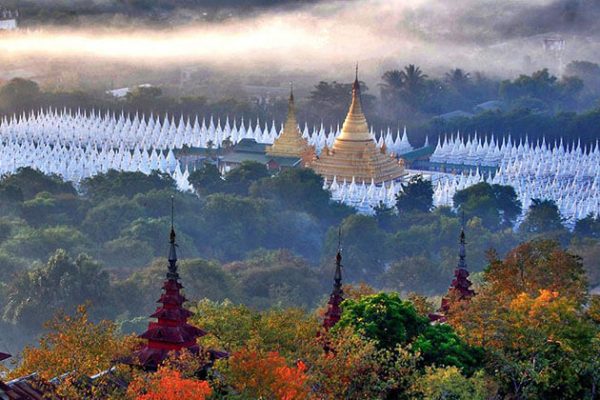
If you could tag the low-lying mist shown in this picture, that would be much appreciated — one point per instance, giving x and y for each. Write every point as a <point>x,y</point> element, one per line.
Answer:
<point>327,38</point>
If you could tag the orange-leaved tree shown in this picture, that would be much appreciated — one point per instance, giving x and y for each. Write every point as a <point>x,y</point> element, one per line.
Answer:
<point>537,265</point>
<point>168,384</point>
<point>266,375</point>
<point>74,345</point>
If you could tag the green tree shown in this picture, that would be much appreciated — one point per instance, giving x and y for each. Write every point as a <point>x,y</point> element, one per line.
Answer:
<point>48,209</point>
<point>543,216</point>
<point>413,84</point>
<point>364,248</point>
<point>29,182</point>
<point>588,227</point>
<point>207,179</point>
<point>117,183</point>
<point>239,179</point>
<point>39,244</point>
<point>384,318</point>
<point>496,205</point>
<point>104,221</point>
<point>276,278</point>
<point>18,95</point>
<point>145,98</point>
<point>329,101</point>
<point>415,274</point>
<point>62,283</point>
<point>458,79</point>
<point>233,226</point>
<point>416,195</point>
<point>296,189</point>
<point>440,346</point>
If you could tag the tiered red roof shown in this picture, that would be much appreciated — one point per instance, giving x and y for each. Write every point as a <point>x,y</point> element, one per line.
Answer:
<point>460,288</point>
<point>334,311</point>
<point>170,332</point>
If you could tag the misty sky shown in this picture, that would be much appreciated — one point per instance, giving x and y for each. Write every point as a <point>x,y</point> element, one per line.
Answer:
<point>502,37</point>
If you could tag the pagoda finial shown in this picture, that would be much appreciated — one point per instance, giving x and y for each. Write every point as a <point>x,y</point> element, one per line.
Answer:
<point>334,311</point>
<point>172,274</point>
<point>337,286</point>
<point>291,92</point>
<point>356,85</point>
<point>462,263</point>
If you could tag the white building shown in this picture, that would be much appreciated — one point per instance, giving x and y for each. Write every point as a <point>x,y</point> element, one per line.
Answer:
<point>8,20</point>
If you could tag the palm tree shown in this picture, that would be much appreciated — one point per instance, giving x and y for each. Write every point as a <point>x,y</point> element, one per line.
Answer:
<point>392,85</point>
<point>457,78</point>
<point>413,81</point>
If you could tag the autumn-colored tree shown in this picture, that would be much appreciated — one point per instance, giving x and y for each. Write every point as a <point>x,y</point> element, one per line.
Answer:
<point>534,266</point>
<point>167,384</point>
<point>75,345</point>
<point>258,375</point>
<point>538,345</point>
<point>358,291</point>
<point>545,342</point>
<point>354,368</point>
<point>290,332</point>
<point>450,383</point>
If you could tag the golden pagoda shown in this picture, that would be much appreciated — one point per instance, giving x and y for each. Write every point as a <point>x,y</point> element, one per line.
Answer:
<point>354,153</point>
<point>290,143</point>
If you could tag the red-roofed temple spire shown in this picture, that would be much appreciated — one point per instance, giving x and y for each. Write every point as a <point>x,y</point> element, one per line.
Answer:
<point>170,331</point>
<point>334,311</point>
<point>460,288</point>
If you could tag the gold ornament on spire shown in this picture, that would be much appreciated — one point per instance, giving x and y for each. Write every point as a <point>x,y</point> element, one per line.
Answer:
<point>354,153</point>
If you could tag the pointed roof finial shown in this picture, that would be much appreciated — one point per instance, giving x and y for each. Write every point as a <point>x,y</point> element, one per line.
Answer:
<point>172,274</point>
<point>334,311</point>
<point>291,91</point>
<point>338,257</point>
<point>356,84</point>
<point>462,263</point>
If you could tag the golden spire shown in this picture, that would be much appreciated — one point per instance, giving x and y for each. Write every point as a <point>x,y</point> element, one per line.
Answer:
<point>355,126</point>
<point>291,143</point>
<point>354,154</point>
<point>291,123</point>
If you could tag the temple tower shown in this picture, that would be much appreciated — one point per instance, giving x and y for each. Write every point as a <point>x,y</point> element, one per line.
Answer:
<point>334,311</point>
<point>354,153</point>
<point>460,288</point>
<point>291,143</point>
<point>170,332</point>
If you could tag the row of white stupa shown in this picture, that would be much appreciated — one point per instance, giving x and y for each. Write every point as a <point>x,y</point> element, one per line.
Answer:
<point>568,176</point>
<point>76,146</point>
<point>106,130</point>
<point>75,163</point>
<point>363,196</point>
<point>478,151</point>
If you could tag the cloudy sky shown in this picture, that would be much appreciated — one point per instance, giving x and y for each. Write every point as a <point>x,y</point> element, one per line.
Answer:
<point>495,36</point>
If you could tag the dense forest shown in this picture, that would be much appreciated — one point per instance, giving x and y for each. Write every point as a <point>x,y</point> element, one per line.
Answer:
<point>251,238</point>
<point>530,331</point>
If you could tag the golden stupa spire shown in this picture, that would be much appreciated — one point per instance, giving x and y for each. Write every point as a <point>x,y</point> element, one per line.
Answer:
<point>354,154</point>
<point>291,123</point>
<point>355,126</point>
<point>290,143</point>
